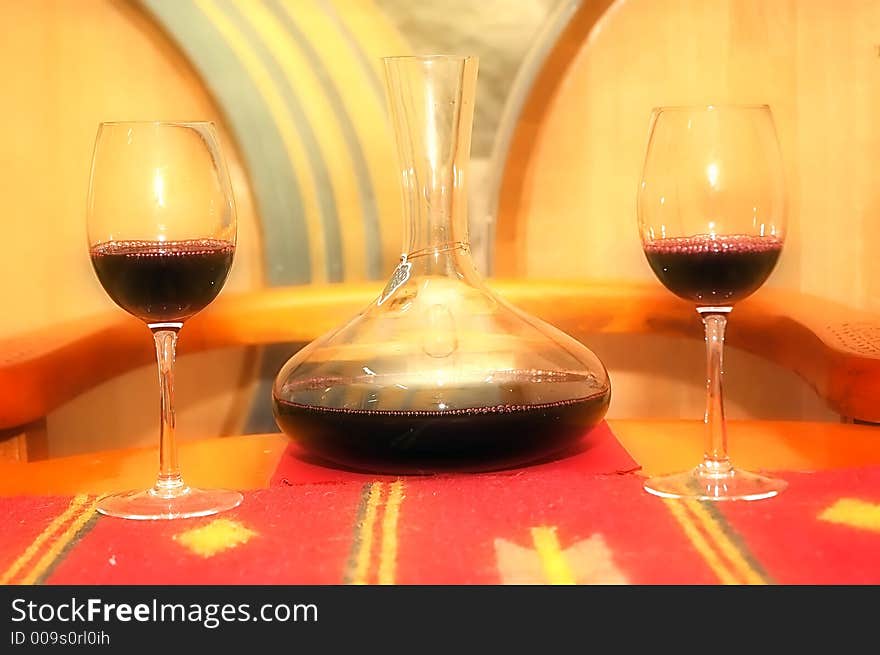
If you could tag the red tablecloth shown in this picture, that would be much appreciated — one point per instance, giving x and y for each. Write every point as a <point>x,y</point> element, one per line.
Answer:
<point>584,519</point>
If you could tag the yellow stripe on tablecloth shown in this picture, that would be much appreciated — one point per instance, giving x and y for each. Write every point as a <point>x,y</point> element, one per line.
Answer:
<point>724,544</point>
<point>388,554</point>
<point>854,513</point>
<point>692,531</point>
<point>362,561</point>
<point>60,543</point>
<point>75,506</point>
<point>556,568</point>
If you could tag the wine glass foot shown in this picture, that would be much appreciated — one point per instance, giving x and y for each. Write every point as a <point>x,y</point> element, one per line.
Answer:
<point>698,484</point>
<point>154,505</point>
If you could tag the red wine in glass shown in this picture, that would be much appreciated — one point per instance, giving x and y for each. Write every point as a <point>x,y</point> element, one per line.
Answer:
<point>717,270</point>
<point>163,281</point>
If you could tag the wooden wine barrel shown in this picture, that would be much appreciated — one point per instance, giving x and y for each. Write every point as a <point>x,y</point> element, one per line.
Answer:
<point>294,87</point>
<point>573,142</point>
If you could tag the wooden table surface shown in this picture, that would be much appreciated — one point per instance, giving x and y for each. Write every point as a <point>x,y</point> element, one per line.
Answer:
<point>248,461</point>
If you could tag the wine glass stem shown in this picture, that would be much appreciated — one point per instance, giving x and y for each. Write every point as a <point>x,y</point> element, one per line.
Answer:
<point>715,459</point>
<point>169,481</point>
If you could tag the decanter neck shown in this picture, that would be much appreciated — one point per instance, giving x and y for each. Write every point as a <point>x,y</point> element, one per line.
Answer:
<point>432,106</point>
<point>434,209</point>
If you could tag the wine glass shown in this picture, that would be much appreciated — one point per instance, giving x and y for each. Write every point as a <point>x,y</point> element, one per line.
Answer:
<point>711,209</point>
<point>162,230</point>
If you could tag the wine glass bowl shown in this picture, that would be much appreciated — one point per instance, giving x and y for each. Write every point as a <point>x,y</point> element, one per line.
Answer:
<point>162,232</point>
<point>711,213</point>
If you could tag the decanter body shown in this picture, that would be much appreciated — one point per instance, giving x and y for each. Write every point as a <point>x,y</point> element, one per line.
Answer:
<point>438,372</point>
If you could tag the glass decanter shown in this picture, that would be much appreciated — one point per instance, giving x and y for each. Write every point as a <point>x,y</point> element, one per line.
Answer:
<point>438,372</point>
